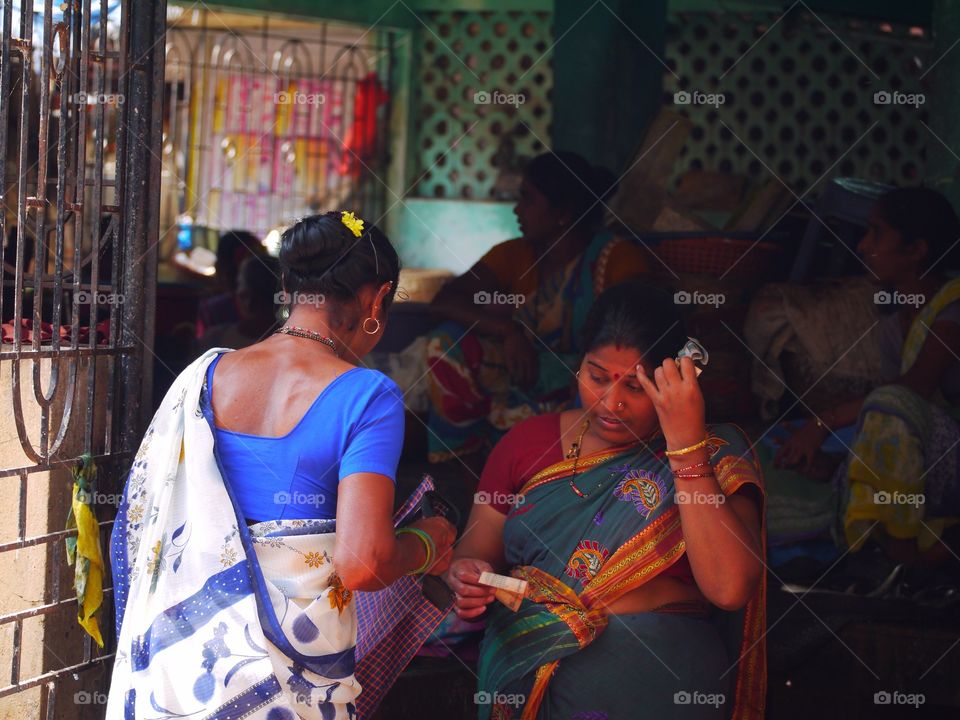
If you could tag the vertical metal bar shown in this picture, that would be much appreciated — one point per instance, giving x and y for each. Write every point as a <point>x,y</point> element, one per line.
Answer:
<point>4,125</point>
<point>62,180</point>
<point>56,565</point>
<point>26,33</point>
<point>140,170</point>
<point>15,661</point>
<point>96,217</point>
<point>22,507</point>
<point>39,201</point>
<point>51,700</point>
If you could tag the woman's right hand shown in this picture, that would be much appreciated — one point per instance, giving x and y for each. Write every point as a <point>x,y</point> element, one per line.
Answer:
<point>463,578</point>
<point>443,533</point>
<point>801,447</point>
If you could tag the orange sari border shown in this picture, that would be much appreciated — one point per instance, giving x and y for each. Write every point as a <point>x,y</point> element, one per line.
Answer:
<point>639,560</point>
<point>562,601</point>
<point>562,469</point>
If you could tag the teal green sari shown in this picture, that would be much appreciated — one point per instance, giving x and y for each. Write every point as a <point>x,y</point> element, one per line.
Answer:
<point>561,656</point>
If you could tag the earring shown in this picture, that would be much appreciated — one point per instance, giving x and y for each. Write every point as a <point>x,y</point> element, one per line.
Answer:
<point>375,330</point>
<point>578,374</point>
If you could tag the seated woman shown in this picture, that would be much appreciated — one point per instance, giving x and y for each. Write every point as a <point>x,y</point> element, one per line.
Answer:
<point>639,532</point>
<point>292,439</point>
<point>258,288</point>
<point>495,363</point>
<point>899,484</point>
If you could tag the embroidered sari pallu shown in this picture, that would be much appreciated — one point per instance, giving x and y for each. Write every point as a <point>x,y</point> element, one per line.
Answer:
<point>217,620</point>
<point>562,656</point>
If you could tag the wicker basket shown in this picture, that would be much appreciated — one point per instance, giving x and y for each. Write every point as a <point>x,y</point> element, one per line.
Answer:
<point>732,258</point>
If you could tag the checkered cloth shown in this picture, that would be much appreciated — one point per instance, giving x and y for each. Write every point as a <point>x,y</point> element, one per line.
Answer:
<point>392,624</point>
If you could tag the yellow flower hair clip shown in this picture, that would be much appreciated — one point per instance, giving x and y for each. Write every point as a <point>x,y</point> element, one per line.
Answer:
<point>353,222</point>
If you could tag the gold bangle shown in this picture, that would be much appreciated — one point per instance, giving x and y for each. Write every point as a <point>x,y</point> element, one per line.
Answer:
<point>686,450</point>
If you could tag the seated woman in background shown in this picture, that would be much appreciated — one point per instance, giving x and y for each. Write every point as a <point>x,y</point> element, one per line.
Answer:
<point>262,496</point>
<point>232,248</point>
<point>900,483</point>
<point>258,293</point>
<point>639,532</point>
<point>508,351</point>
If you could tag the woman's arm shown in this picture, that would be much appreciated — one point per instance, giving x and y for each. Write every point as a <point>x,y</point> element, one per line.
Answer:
<point>722,536</point>
<point>940,350</point>
<point>457,301</point>
<point>368,554</point>
<point>480,549</point>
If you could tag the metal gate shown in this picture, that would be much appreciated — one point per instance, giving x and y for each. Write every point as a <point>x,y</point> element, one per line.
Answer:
<point>269,118</point>
<point>80,129</point>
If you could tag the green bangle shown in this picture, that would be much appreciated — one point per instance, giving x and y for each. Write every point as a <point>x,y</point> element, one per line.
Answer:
<point>427,544</point>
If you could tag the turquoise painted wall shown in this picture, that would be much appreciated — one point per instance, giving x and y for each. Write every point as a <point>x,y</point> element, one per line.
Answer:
<point>449,234</point>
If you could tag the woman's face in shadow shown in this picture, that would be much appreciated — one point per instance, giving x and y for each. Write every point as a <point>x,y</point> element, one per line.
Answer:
<point>619,410</point>
<point>886,255</point>
<point>537,218</point>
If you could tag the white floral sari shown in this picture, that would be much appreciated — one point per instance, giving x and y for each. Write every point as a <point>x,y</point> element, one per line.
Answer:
<point>214,619</point>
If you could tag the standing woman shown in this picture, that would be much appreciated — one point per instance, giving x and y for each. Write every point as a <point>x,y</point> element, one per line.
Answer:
<point>261,499</point>
<point>638,531</point>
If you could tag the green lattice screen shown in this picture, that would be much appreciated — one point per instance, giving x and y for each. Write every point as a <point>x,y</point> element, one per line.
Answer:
<point>465,145</point>
<point>801,96</point>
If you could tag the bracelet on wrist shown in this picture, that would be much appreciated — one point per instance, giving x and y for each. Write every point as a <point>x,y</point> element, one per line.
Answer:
<point>428,545</point>
<point>690,476</point>
<point>687,450</point>
<point>688,468</point>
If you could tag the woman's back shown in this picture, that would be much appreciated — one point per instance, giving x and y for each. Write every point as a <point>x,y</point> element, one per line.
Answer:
<point>289,427</point>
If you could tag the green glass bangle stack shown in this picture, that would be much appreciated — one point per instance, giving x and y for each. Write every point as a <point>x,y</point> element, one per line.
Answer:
<point>427,544</point>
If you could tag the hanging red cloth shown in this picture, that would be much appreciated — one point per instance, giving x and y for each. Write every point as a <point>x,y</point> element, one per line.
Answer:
<point>361,140</point>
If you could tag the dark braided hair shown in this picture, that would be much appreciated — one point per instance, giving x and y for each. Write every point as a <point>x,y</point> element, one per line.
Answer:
<point>635,315</point>
<point>570,183</point>
<point>922,213</point>
<point>319,254</point>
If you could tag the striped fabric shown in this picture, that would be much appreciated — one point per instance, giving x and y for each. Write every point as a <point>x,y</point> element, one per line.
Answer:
<point>392,625</point>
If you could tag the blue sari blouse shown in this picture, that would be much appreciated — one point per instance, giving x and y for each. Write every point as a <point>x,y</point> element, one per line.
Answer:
<point>354,425</point>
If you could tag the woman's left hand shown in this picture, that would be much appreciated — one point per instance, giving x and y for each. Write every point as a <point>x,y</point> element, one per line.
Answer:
<point>678,400</point>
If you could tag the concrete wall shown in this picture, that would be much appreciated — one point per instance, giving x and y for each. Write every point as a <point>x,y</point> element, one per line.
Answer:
<point>27,576</point>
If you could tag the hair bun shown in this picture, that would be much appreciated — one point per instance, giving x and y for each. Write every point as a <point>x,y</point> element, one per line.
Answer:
<point>320,254</point>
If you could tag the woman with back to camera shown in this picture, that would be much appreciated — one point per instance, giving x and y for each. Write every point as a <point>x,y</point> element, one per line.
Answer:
<point>638,529</point>
<point>262,497</point>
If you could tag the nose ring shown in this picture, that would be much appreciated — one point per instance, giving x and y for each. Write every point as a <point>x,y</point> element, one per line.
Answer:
<point>620,405</point>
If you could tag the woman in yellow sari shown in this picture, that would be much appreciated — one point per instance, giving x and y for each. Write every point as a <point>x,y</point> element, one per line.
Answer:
<point>899,484</point>
<point>638,532</point>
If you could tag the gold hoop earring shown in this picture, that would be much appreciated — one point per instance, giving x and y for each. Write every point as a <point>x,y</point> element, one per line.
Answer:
<point>375,330</point>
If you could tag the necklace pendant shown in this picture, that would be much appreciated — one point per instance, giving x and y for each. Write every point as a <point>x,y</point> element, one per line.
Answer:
<point>577,490</point>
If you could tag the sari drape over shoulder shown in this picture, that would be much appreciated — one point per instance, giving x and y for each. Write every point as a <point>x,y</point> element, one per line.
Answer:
<point>218,620</point>
<point>901,473</point>
<point>581,554</point>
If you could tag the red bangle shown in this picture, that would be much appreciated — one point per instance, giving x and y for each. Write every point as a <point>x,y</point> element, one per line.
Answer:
<point>705,463</point>
<point>693,475</point>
